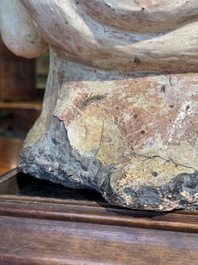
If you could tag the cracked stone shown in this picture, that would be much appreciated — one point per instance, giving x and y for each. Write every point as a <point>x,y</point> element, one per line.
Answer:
<point>120,108</point>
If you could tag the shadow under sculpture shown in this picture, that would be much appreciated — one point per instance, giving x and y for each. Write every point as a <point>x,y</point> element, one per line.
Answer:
<point>120,108</point>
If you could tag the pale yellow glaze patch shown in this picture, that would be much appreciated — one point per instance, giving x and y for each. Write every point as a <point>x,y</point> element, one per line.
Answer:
<point>95,134</point>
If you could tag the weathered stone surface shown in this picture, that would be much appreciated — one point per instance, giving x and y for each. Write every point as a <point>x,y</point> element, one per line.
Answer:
<point>120,109</point>
<point>54,159</point>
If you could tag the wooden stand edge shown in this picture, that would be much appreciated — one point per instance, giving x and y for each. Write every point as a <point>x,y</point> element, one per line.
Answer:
<point>52,231</point>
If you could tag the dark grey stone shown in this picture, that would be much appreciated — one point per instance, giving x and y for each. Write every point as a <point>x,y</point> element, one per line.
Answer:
<point>52,158</point>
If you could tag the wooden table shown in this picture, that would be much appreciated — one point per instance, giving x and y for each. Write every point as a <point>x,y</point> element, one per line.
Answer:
<point>9,153</point>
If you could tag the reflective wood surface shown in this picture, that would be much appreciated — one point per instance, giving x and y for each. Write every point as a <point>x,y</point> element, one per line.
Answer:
<point>9,153</point>
<point>41,230</point>
<point>49,231</point>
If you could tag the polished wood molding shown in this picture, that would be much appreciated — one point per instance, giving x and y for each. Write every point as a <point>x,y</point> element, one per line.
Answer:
<point>97,213</point>
<point>35,105</point>
<point>41,230</point>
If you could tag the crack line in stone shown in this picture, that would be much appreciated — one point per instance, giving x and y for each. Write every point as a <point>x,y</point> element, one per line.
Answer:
<point>166,160</point>
<point>102,132</point>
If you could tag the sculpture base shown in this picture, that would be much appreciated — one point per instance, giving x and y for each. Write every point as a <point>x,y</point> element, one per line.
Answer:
<point>83,229</point>
<point>132,138</point>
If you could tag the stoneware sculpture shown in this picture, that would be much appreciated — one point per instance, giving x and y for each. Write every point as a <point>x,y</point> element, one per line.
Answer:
<point>120,108</point>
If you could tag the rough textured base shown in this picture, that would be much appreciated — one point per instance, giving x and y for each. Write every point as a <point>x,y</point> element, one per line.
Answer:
<point>53,158</point>
<point>120,107</point>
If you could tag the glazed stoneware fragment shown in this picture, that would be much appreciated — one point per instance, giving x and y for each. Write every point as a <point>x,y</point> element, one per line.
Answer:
<point>120,107</point>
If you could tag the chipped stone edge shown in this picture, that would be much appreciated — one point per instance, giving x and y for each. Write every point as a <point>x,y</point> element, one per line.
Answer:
<point>54,159</point>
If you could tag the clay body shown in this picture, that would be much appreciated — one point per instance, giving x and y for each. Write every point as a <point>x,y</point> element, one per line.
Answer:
<point>119,112</point>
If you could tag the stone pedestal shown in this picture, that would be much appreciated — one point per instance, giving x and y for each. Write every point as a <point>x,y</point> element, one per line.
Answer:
<point>131,138</point>
<point>119,112</point>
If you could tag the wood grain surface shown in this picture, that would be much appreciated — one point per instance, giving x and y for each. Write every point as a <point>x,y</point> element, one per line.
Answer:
<point>52,231</point>
<point>41,230</point>
<point>98,213</point>
<point>41,241</point>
